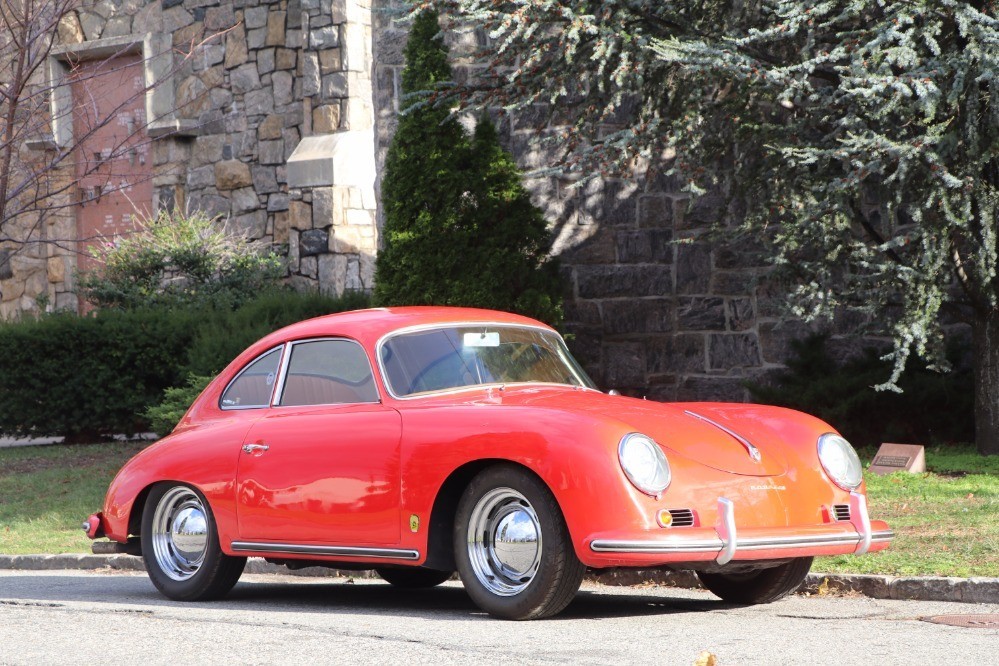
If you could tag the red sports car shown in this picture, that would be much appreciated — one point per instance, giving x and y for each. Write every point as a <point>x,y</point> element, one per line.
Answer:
<point>426,440</point>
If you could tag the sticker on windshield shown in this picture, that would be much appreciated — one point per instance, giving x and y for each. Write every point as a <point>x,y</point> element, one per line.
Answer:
<point>481,340</point>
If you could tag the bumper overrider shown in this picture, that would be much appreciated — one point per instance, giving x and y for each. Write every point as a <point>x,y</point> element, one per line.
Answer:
<point>725,543</point>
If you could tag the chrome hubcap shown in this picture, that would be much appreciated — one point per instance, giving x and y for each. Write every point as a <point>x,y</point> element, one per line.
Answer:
<point>504,542</point>
<point>180,533</point>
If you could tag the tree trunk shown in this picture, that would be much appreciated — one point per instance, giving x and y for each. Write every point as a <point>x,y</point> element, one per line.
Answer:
<point>986,344</point>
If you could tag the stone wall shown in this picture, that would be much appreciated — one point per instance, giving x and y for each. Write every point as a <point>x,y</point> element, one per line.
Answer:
<point>244,86</point>
<point>653,309</point>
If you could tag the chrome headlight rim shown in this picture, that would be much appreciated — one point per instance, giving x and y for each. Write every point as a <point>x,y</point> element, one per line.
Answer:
<point>654,483</point>
<point>847,472</point>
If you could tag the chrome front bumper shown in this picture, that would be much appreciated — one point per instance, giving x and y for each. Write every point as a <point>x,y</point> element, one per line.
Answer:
<point>728,544</point>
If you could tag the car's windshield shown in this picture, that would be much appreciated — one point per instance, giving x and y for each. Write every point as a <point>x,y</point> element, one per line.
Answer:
<point>453,357</point>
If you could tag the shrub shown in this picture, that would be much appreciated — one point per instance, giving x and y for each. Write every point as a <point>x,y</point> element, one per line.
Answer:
<point>933,407</point>
<point>87,377</point>
<point>164,416</point>
<point>180,259</point>
<point>460,228</point>
<point>98,375</point>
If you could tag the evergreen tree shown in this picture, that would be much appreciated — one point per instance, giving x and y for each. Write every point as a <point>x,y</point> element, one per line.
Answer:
<point>809,112</point>
<point>459,226</point>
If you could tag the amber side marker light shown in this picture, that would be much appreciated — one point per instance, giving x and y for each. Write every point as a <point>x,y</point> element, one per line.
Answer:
<point>664,518</point>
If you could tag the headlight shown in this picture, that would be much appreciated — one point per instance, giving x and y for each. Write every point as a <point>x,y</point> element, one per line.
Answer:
<point>840,461</point>
<point>644,463</point>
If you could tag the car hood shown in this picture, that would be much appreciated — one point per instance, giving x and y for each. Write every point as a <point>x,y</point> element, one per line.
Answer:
<point>735,438</point>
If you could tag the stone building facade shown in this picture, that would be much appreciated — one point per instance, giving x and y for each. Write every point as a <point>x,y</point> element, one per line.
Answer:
<point>281,121</point>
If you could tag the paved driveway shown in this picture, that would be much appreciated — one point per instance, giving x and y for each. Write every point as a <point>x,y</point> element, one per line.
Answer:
<point>86,617</point>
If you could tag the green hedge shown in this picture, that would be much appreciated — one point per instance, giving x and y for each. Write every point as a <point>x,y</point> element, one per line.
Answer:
<point>933,408</point>
<point>93,376</point>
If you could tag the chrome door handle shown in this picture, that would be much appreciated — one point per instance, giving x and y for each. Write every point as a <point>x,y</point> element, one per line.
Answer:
<point>254,448</point>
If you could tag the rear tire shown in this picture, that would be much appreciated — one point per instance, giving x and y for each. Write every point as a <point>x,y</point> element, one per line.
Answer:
<point>512,547</point>
<point>758,587</point>
<point>414,578</point>
<point>180,546</point>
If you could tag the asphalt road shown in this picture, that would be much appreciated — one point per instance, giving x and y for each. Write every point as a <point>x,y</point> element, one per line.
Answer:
<point>69,617</point>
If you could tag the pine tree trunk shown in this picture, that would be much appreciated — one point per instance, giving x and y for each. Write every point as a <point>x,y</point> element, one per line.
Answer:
<point>986,341</point>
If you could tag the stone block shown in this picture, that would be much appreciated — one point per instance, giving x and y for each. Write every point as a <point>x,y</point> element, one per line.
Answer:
<point>980,591</point>
<point>932,588</point>
<point>69,30</point>
<point>256,39</point>
<point>300,215</point>
<point>332,273</point>
<point>309,267</point>
<point>700,314</point>
<point>587,244</point>
<point>232,175</point>
<point>117,26</point>
<point>733,283</point>
<point>219,18</point>
<point>655,210</point>
<point>703,211</point>
<point>313,242</point>
<point>256,17</point>
<point>310,74</point>
<point>207,149</point>
<point>326,118</point>
<point>389,46</point>
<point>677,354</point>
<point>334,86</point>
<point>693,268</point>
<point>624,364</point>
<point>330,61</point>
<point>776,337</point>
<point>275,28</point>
<point>244,78</point>
<point>282,227</point>
<point>270,128</point>
<point>277,202</point>
<point>252,225</point>
<point>57,269</point>
<point>282,84</point>
<point>740,315</point>
<point>352,280</point>
<point>244,200</point>
<point>623,281</point>
<point>236,51</point>
<point>324,38</point>
<point>285,59</point>
<point>645,246</point>
<point>271,152</point>
<point>265,61</point>
<point>734,350</point>
<point>631,316</point>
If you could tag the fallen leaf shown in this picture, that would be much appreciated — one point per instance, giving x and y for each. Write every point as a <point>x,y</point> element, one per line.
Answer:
<point>970,496</point>
<point>706,659</point>
<point>824,587</point>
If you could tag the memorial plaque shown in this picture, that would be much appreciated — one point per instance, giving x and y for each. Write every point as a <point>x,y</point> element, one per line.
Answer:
<point>899,458</point>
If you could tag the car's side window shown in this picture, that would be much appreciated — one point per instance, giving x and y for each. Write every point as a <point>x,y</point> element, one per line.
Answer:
<point>328,372</point>
<point>253,386</point>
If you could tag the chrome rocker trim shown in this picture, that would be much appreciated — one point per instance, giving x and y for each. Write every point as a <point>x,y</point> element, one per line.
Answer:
<point>325,551</point>
<point>728,544</point>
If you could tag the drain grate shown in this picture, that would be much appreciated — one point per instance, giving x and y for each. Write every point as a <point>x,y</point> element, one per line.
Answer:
<point>990,621</point>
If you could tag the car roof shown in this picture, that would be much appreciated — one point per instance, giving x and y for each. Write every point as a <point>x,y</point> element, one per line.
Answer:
<point>369,326</point>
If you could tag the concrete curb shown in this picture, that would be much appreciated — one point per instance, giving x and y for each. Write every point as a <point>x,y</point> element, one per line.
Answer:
<point>967,590</point>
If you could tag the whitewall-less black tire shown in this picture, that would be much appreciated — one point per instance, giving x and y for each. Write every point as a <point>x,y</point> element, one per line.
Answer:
<point>512,548</point>
<point>180,546</point>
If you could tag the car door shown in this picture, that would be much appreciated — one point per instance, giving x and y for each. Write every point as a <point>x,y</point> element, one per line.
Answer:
<point>322,466</point>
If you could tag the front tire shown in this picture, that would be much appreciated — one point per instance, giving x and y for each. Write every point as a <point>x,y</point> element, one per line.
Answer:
<point>512,547</point>
<point>414,578</point>
<point>180,546</point>
<point>758,587</point>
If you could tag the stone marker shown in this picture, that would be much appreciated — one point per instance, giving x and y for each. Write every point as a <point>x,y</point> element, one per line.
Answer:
<point>899,458</point>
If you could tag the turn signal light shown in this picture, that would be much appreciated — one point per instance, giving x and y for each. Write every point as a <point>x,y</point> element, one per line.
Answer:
<point>664,518</point>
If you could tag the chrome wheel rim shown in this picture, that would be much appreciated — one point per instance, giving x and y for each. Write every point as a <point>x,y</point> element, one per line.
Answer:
<point>504,542</point>
<point>180,533</point>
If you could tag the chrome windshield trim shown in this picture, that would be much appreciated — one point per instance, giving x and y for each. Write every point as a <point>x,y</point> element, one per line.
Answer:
<point>326,551</point>
<point>754,452</point>
<point>744,544</point>
<point>457,324</point>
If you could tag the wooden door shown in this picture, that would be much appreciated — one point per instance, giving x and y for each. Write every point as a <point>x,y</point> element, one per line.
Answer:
<point>113,160</point>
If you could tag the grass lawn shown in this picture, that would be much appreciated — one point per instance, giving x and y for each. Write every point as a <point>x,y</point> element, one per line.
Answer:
<point>46,492</point>
<point>946,522</point>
